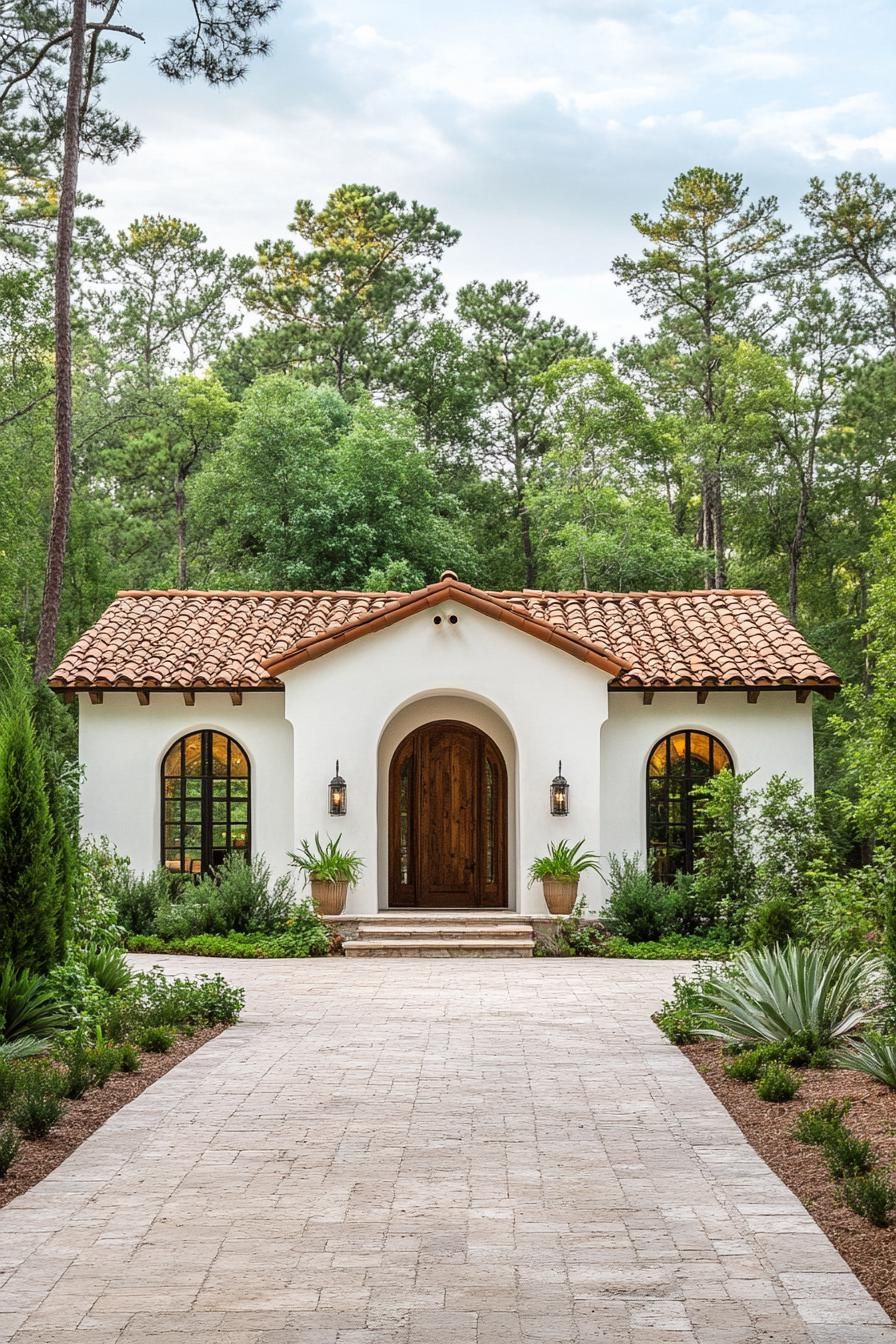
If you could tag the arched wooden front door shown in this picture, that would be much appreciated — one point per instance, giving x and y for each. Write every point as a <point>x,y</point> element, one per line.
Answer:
<point>447,819</point>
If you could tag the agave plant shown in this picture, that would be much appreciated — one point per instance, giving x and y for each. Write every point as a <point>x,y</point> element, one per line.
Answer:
<point>772,994</point>
<point>23,1047</point>
<point>874,1055</point>
<point>28,1007</point>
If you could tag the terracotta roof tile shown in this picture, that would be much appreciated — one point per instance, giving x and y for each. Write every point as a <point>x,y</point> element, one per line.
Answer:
<point>243,639</point>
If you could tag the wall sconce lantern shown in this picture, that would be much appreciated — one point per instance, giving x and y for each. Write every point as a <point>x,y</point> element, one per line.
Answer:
<point>559,794</point>
<point>337,794</point>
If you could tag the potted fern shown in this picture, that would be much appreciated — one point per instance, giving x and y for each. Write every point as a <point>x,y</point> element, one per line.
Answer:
<point>330,870</point>
<point>559,871</point>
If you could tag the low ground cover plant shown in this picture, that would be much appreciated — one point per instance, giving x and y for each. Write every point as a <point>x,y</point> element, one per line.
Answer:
<point>777,1083</point>
<point>864,1186</point>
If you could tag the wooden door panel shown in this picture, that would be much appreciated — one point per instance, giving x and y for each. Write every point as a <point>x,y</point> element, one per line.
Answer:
<point>447,820</point>
<point>447,817</point>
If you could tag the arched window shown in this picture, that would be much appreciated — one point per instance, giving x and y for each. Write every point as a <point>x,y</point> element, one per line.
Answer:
<point>679,764</point>
<point>205,802</point>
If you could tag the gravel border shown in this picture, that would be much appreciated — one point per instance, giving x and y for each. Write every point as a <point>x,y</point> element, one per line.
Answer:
<point>38,1157</point>
<point>869,1251</point>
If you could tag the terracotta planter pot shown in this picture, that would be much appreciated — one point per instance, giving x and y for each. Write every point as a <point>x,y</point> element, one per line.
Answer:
<point>560,895</point>
<point>328,898</point>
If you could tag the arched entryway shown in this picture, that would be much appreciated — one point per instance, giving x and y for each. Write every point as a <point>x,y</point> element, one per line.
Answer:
<point>447,819</point>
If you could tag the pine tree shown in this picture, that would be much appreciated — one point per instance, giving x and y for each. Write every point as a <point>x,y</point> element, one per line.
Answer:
<point>29,903</point>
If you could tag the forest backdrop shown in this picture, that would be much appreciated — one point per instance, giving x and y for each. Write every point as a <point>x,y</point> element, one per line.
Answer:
<point>322,414</point>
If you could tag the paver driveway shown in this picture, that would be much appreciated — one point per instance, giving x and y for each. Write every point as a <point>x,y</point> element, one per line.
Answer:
<point>426,1152</point>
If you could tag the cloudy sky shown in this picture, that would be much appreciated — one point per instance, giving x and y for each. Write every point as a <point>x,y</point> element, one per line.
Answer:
<point>535,126</point>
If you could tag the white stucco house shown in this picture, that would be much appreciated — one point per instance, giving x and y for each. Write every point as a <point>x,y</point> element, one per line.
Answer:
<point>212,721</point>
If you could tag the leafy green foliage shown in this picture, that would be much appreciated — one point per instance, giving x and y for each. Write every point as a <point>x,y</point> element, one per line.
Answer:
<point>28,1006</point>
<point>29,891</point>
<point>157,1040</point>
<point>777,1083</point>
<point>845,1154</point>
<point>38,1102</point>
<point>773,994</point>
<point>327,861</point>
<point>10,1143</point>
<point>872,1195</point>
<point>308,937</point>
<point>814,1125</point>
<point>128,1058</point>
<point>108,967</point>
<point>772,923</point>
<point>564,862</point>
<point>682,1018</point>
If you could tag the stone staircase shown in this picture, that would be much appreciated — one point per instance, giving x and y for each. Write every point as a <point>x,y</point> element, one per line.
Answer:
<point>442,933</point>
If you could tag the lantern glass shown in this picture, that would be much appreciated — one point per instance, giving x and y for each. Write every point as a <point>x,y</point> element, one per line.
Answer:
<point>559,794</point>
<point>337,792</point>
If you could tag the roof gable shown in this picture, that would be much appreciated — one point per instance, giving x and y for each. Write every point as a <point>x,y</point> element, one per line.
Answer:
<point>244,640</point>
<point>448,589</point>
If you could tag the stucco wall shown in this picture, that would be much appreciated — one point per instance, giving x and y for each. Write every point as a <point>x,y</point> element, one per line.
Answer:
<point>122,744</point>
<point>538,705</point>
<point>774,736</point>
<point>343,705</point>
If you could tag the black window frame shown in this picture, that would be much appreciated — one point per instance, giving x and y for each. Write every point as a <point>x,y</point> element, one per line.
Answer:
<point>209,799</point>
<point>659,802</point>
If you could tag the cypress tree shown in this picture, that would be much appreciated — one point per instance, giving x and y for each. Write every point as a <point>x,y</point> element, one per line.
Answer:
<point>29,903</point>
<point>65,854</point>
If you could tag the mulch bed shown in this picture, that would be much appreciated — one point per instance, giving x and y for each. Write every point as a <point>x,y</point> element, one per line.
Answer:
<point>869,1251</point>
<point>38,1157</point>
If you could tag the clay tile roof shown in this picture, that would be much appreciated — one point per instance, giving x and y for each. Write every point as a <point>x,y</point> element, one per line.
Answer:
<point>229,640</point>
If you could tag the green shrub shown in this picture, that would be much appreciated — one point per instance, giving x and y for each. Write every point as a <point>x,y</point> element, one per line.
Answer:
<point>774,994</point>
<point>777,1083</point>
<point>244,900</point>
<point>872,1195</point>
<point>681,1017</point>
<point>725,874</point>
<point>847,1155</point>
<point>28,1006</point>
<point>78,1071</point>
<point>83,1001</point>
<point>128,1058</point>
<point>748,1066</point>
<point>772,924</point>
<point>139,898</point>
<point>38,1102</point>
<point>10,1143</point>
<point>108,967</point>
<point>874,1055</point>
<point>638,908</point>
<point>816,1123</point>
<point>8,1086</point>
<point>157,1040</point>
<point>103,1059</point>
<point>101,872</point>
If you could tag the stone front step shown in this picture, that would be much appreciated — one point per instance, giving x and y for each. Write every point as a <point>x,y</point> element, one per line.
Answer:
<point>452,946</point>
<point>441,933</point>
<point>440,930</point>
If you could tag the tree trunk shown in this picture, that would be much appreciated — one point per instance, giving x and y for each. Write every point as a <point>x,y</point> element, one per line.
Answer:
<point>528,551</point>
<point>180,512</point>
<point>62,458</point>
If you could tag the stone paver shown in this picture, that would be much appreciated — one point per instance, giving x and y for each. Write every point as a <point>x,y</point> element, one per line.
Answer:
<point>427,1152</point>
